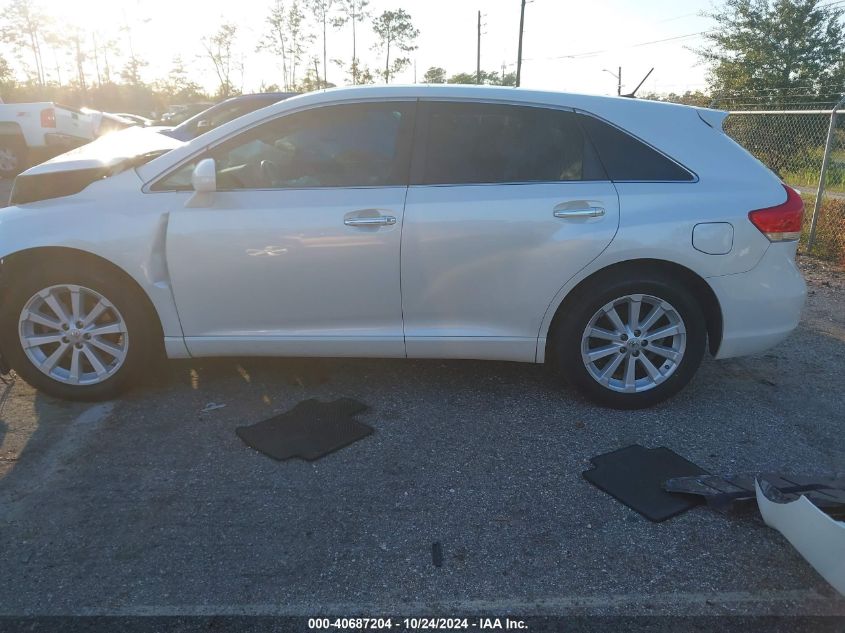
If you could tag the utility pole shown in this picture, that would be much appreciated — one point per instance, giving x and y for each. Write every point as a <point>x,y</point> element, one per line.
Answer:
<point>519,52</point>
<point>478,54</point>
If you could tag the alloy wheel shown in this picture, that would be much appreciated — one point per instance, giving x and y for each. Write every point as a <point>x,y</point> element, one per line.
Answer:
<point>73,334</point>
<point>634,343</point>
<point>8,160</point>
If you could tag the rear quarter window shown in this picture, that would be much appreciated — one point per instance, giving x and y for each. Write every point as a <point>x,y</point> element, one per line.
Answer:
<point>485,143</point>
<point>627,158</point>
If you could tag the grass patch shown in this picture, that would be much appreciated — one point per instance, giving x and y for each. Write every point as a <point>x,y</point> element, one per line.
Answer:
<point>830,229</point>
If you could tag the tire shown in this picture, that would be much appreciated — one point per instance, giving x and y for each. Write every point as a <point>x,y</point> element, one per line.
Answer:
<point>587,362</point>
<point>124,326</point>
<point>13,156</point>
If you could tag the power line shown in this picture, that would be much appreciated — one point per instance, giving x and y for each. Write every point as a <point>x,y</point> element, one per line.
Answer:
<point>651,42</point>
<point>637,45</point>
<point>678,17</point>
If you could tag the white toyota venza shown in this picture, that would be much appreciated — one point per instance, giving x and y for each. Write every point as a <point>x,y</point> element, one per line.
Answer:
<point>613,238</point>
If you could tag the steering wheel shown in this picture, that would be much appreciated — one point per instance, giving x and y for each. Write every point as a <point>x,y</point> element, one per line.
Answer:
<point>270,172</point>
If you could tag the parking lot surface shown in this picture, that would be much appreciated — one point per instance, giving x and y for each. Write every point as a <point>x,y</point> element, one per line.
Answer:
<point>150,506</point>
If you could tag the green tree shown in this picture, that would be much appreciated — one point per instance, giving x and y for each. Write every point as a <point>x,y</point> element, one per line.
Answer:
<point>79,55</point>
<point>7,79</point>
<point>275,38</point>
<point>771,51</point>
<point>24,26</point>
<point>395,30</point>
<point>220,50</point>
<point>298,38</point>
<point>5,70</point>
<point>770,54</point>
<point>131,72</point>
<point>178,86</point>
<point>690,97</point>
<point>361,74</point>
<point>507,79</point>
<point>352,12</point>
<point>108,49</point>
<point>489,78</point>
<point>322,10</point>
<point>435,75</point>
<point>463,78</point>
<point>312,81</point>
<point>54,43</point>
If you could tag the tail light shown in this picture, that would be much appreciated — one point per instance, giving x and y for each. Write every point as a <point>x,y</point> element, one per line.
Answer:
<point>48,117</point>
<point>781,223</point>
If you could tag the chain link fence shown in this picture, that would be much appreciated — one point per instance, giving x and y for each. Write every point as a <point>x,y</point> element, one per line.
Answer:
<point>800,146</point>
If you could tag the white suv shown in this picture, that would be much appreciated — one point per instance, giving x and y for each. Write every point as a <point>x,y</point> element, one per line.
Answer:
<point>614,238</point>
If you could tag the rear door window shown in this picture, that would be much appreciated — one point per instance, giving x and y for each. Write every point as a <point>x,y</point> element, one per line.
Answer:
<point>483,143</point>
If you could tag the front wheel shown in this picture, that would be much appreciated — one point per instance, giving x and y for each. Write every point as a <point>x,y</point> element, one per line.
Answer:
<point>630,344</point>
<point>78,336</point>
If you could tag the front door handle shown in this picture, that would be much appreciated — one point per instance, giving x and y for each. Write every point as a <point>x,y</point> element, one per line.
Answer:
<point>586,212</point>
<point>381,220</point>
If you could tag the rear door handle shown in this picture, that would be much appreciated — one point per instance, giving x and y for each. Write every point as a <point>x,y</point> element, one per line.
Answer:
<point>586,212</point>
<point>381,220</point>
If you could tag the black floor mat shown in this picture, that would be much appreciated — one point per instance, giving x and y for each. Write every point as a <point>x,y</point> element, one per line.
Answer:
<point>634,475</point>
<point>310,430</point>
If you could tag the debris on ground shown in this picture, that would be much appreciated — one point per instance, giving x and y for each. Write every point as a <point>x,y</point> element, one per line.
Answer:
<point>816,536</point>
<point>827,492</point>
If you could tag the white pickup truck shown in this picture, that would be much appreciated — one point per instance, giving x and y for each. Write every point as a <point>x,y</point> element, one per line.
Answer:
<point>31,133</point>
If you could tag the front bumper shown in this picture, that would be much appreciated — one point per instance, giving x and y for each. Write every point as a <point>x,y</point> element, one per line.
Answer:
<point>761,307</point>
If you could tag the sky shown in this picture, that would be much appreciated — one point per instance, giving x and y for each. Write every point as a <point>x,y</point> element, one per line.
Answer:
<point>568,45</point>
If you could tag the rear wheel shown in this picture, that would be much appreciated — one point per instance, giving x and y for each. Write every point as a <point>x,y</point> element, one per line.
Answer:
<point>630,343</point>
<point>12,156</point>
<point>79,336</point>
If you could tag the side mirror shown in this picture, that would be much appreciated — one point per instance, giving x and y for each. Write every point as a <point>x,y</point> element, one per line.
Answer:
<point>204,178</point>
<point>204,181</point>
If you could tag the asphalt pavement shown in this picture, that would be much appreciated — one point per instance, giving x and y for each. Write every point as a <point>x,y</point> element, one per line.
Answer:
<point>149,505</point>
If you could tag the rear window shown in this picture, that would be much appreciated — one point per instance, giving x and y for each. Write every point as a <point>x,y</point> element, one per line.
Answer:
<point>482,143</point>
<point>626,158</point>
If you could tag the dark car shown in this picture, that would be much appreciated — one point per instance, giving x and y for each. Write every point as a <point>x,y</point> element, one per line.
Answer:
<point>224,112</point>
<point>179,113</point>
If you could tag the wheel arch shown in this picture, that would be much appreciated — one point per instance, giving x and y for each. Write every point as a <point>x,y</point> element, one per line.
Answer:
<point>701,290</point>
<point>31,256</point>
<point>11,128</point>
